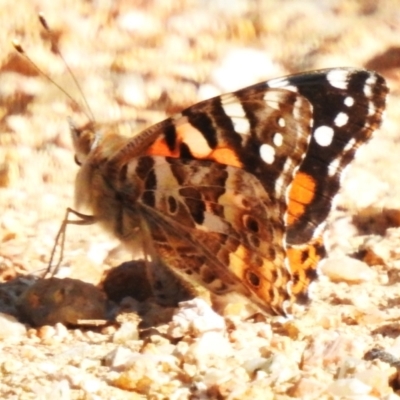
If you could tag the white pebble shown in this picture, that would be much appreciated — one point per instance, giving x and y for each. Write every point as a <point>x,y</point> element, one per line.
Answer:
<point>11,329</point>
<point>195,317</point>
<point>347,269</point>
<point>127,331</point>
<point>119,357</point>
<point>348,387</point>
<point>210,344</point>
<point>91,385</point>
<point>254,364</point>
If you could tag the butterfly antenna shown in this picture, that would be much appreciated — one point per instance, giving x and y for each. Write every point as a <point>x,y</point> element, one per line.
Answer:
<point>56,49</point>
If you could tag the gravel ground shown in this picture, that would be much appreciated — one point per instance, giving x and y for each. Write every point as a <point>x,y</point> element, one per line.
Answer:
<point>138,62</point>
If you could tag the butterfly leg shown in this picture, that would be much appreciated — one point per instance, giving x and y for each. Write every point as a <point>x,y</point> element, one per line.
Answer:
<point>60,238</point>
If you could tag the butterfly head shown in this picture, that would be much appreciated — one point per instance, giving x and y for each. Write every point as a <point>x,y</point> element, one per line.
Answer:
<point>83,140</point>
<point>99,142</point>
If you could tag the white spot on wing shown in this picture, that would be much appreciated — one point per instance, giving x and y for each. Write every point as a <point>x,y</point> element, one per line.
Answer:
<point>234,110</point>
<point>349,101</point>
<point>281,122</point>
<point>298,109</point>
<point>278,139</point>
<point>371,81</point>
<point>279,184</point>
<point>214,223</point>
<point>341,119</point>
<point>350,145</point>
<point>368,91</point>
<point>338,78</point>
<point>267,153</point>
<point>324,135</point>
<point>333,167</point>
<point>273,98</point>
<point>371,109</point>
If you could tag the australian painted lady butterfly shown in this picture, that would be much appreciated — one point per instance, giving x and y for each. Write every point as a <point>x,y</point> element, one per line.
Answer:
<point>233,192</point>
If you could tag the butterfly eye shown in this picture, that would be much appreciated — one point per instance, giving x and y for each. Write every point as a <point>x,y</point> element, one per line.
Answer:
<point>76,132</point>
<point>77,162</point>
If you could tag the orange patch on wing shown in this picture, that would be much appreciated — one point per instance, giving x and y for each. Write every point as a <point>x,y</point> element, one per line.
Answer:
<point>302,193</point>
<point>237,264</point>
<point>186,133</point>
<point>226,156</point>
<point>303,261</point>
<point>160,148</point>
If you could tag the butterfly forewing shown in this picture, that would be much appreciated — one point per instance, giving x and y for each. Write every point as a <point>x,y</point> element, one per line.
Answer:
<point>254,129</point>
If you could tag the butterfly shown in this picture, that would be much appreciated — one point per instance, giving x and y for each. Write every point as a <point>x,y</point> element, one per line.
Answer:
<point>233,192</point>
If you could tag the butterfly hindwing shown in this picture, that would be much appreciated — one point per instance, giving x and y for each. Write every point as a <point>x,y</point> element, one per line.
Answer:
<point>206,219</point>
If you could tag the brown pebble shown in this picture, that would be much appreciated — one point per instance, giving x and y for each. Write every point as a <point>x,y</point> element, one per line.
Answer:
<point>67,301</point>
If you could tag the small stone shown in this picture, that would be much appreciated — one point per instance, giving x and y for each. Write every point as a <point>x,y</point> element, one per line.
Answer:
<point>195,317</point>
<point>307,388</point>
<point>329,349</point>
<point>348,387</point>
<point>119,357</point>
<point>67,301</point>
<point>72,374</point>
<point>61,390</point>
<point>47,367</point>
<point>347,269</point>
<point>281,368</point>
<point>255,364</point>
<point>91,385</point>
<point>378,380</point>
<point>10,366</point>
<point>146,371</point>
<point>46,332</point>
<point>127,280</point>
<point>208,345</point>
<point>127,331</point>
<point>61,331</point>
<point>11,328</point>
